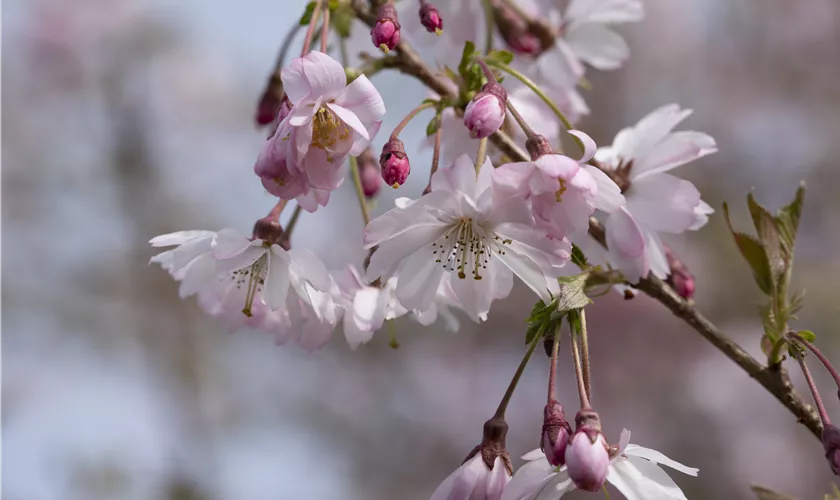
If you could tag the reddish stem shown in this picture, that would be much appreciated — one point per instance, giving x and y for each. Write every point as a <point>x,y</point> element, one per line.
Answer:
<point>820,356</point>
<point>311,29</point>
<point>325,30</point>
<point>811,385</point>
<point>275,212</point>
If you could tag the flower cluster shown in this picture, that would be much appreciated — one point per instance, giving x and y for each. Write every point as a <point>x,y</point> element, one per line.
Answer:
<point>490,214</point>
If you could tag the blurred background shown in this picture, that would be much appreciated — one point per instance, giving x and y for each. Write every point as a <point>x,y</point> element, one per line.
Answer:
<point>124,119</point>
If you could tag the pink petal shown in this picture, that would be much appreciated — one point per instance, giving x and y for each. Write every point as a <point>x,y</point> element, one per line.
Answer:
<point>363,100</point>
<point>324,74</point>
<point>589,146</point>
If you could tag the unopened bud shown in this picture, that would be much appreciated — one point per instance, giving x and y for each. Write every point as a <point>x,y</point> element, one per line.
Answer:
<point>831,443</point>
<point>485,113</point>
<point>385,34</point>
<point>394,163</point>
<point>555,434</point>
<point>680,279</point>
<point>270,100</point>
<point>430,18</point>
<point>587,455</point>
<point>514,31</point>
<point>369,173</point>
<point>538,146</point>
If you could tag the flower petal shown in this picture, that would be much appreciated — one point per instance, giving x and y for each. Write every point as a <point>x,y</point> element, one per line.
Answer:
<point>598,45</point>
<point>394,250</point>
<point>179,237</point>
<point>350,119</point>
<point>609,197</point>
<point>240,261</point>
<point>324,74</point>
<point>419,279</point>
<point>459,178</point>
<point>276,285</point>
<point>658,458</point>
<point>589,147</point>
<point>675,150</point>
<point>229,243</point>
<point>198,275</point>
<point>511,179</point>
<point>191,249</point>
<point>664,203</point>
<point>638,479</point>
<point>626,243</point>
<point>605,11</point>
<point>363,100</point>
<point>496,480</point>
<point>305,264</point>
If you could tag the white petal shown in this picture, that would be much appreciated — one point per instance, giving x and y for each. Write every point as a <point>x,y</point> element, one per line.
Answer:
<point>419,279</point>
<point>307,265</point>
<point>179,237</point>
<point>653,129</point>
<point>623,440</point>
<point>532,455</point>
<point>324,74</point>
<point>369,308</point>
<point>511,179</point>
<point>529,480</point>
<point>393,251</point>
<point>589,146</point>
<point>555,165</point>
<point>276,285</point>
<point>664,203</point>
<point>188,251</point>
<point>229,243</point>
<point>701,214</point>
<point>462,482</point>
<point>626,244</point>
<point>350,119</point>
<point>496,480</point>
<point>294,81</point>
<point>199,275</point>
<point>598,45</point>
<point>638,479</point>
<point>240,261</point>
<point>459,178</point>
<point>609,197</point>
<point>529,272</point>
<point>675,150</point>
<point>658,458</point>
<point>656,255</point>
<point>363,100</point>
<point>397,221</point>
<point>474,296</point>
<point>605,11</point>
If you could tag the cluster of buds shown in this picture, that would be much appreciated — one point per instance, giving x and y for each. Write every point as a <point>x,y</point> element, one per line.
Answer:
<point>394,163</point>
<point>485,113</point>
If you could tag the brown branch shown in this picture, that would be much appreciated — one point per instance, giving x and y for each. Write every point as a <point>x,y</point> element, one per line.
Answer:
<point>774,379</point>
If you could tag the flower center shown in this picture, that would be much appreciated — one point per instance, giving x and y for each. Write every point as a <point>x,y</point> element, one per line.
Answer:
<point>253,278</point>
<point>558,195</point>
<point>328,130</point>
<point>466,247</point>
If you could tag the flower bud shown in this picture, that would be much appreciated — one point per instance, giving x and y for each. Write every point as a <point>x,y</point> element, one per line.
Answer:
<point>394,163</point>
<point>555,434</point>
<point>270,101</point>
<point>587,455</point>
<point>385,34</point>
<point>369,173</point>
<point>514,31</point>
<point>485,113</point>
<point>430,18</point>
<point>831,443</point>
<point>680,279</point>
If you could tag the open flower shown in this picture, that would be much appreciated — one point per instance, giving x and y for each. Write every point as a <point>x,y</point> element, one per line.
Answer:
<point>475,480</point>
<point>639,160</point>
<point>246,282</point>
<point>562,192</point>
<point>633,470</point>
<point>459,230</point>
<point>365,307</point>
<point>328,121</point>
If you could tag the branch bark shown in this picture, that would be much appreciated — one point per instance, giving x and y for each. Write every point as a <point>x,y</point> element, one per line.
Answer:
<point>774,379</point>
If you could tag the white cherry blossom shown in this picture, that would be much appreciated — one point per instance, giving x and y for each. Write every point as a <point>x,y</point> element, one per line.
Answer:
<point>634,470</point>
<point>657,201</point>
<point>458,229</point>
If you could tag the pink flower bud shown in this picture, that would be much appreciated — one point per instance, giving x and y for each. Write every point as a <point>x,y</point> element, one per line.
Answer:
<point>831,443</point>
<point>514,31</point>
<point>555,434</point>
<point>430,18</point>
<point>394,163</point>
<point>385,34</point>
<point>587,455</point>
<point>680,279</point>
<point>485,113</point>
<point>267,108</point>
<point>369,173</point>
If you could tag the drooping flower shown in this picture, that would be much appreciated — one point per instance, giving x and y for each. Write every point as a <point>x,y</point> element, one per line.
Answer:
<point>587,456</point>
<point>634,470</point>
<point>365,307</point>
<point>246,282</point>
<point>563,193</point>
<point>638,161</point>
<point>329,120</point>
<point>458,229</point>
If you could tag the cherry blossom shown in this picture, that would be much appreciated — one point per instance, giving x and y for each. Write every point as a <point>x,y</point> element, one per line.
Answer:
<point>329,120</point>
<point>457,229</point>
<point>474,480</point>
<point>634,470</point>
<point>639,160</point>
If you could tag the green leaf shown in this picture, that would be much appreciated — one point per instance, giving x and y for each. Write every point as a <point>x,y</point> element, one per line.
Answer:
<point>307,14</point>
<point>787,220</point>
<point>342,20</point>
<point>767,494</point>
<point>578,257</point>
<point>807,335</point>
<point>768,234</point>
<point>753,251</point>
<point>502,56</point>
<point>433,126</point>
<point>333,4</point>
<point>572,294</point>
<point>466,58</point>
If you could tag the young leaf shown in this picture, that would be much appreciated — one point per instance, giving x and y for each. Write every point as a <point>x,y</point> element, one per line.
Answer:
<point>766,494</point>
<point>807,335</point>
<point>433,126</point>
<point>502,56</point>
<point>768,234</point>
<point>572,295</point>
<point>578,257</point>
<point>307,14</point>
<point>753,251</point>
<point>343,18</point>
<point>787,220</point>
<point>466,58</point>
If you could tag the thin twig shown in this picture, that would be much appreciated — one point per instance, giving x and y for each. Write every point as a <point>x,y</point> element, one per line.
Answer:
<point>584,352</point>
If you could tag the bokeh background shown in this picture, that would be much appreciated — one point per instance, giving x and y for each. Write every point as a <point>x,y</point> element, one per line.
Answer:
<point>124,119</point>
